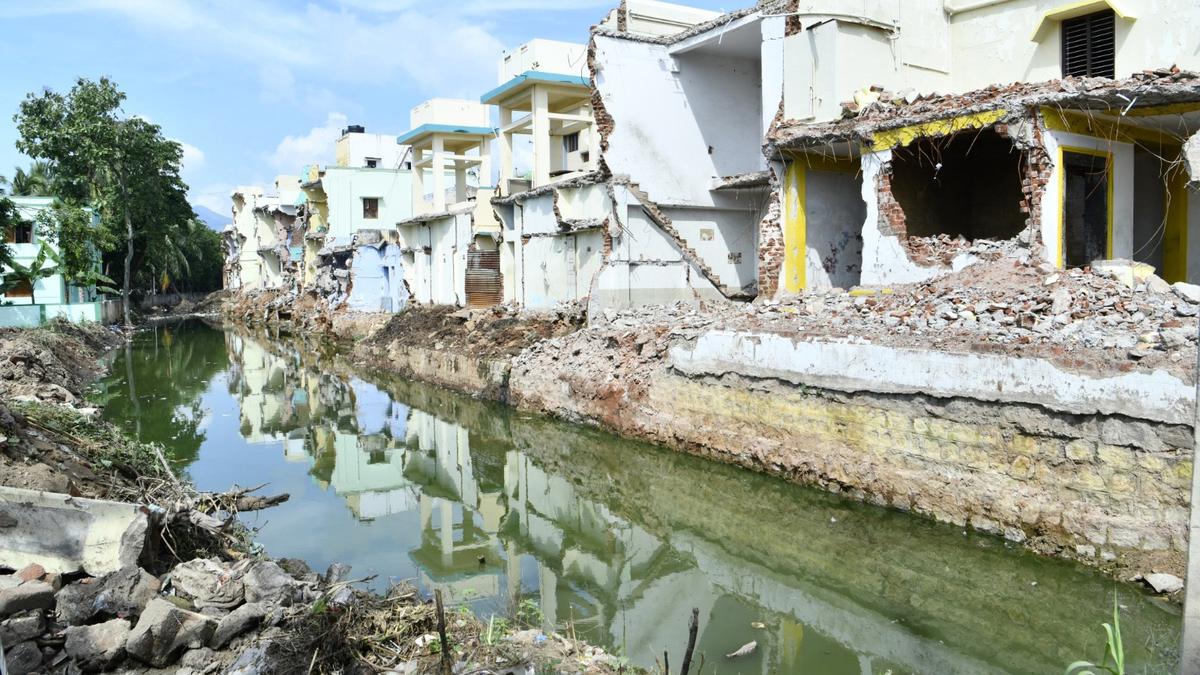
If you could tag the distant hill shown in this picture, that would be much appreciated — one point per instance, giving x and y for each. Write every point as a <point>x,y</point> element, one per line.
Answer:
<point>214,220</point>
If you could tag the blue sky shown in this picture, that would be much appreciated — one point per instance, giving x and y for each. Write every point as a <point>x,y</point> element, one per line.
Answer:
<point>255,88</point>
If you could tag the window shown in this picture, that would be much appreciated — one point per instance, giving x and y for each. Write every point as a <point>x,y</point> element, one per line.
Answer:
<point>21,233</point>
<point>571,142</point>
<point>1088,47</point>
<point>372,162</point>
<point>371,208</point>
<point>1085,218</point>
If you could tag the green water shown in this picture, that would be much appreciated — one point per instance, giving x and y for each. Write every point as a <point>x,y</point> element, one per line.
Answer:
<point>614,539</point>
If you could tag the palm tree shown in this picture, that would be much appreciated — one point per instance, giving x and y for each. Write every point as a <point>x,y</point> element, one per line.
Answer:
<point>38,181</point>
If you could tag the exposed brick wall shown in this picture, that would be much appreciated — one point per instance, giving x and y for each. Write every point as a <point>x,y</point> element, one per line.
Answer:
<point>770,246</point>
<point>604,121</point>
<point>1038,167</point>
<point>891,214</point>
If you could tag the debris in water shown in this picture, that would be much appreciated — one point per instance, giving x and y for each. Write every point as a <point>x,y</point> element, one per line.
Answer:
<point>757,624</point>
<point>743,650</point>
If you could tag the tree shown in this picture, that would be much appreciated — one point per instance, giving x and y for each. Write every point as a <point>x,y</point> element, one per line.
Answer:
<point>121,165</point>
<point>37,182</point>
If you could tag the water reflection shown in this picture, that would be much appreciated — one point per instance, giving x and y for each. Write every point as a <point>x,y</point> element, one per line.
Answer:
<point>616,539</point>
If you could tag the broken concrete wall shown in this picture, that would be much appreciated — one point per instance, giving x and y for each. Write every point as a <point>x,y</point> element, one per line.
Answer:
<point>377,278</point>
<point>433,252</point>
<point>725,238</point>
<point>553,244</point>
<point>645,265</point>
<point>679,124</point>
<point>834,213</point>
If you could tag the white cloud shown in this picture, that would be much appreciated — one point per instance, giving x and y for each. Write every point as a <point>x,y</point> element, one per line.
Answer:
<point>214,196</point>
<point>193,157</point>
<point>316,146</point>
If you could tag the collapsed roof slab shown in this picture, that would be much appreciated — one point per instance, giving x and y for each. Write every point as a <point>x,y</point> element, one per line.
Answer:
<point>1144,90</point>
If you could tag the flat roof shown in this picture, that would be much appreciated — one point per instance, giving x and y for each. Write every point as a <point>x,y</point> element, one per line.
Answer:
<point>408,137</point>
<point>532,77</point>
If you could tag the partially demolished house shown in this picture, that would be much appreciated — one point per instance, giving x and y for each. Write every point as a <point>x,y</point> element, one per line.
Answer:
<point>881,181</point>
<point>661,182</point>
<point>794,145</point>
<point>348,206</point>
<point>450,220</point>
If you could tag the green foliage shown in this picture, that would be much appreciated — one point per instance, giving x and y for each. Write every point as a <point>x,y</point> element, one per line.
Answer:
<point>80,243</point>
<point>124,167</point>
<point>1113,647</point>
<point>8,220</point>
<point>529,614</point>
<point>19,274</point>
<point>37,182</point>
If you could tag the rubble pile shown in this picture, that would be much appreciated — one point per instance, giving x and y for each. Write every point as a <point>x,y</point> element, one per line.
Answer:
<point>53,362</point>
<point>196,617</point>
<point>491,332</point>
<point>1118,318</point>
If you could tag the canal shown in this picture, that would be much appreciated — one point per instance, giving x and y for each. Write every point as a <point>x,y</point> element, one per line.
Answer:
<point>613,540</point>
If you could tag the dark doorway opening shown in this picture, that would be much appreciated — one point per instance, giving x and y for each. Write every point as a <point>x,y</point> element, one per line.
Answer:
<point>1085,208</point>
<point>967,185</point>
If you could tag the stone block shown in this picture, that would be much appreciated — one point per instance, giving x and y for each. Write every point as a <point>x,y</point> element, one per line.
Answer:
<point>1115,457</point>
<point>98,647</point>
<point>1080,450</point>
<point>164,630</point>
<point>32,595</point>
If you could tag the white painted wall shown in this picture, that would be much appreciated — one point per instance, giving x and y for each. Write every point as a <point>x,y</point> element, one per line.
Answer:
<point>353,149</point>
<point>993,44</point>
<point>956,51</point>
<point>651,17</point>
<point>377,280</point>
<point>727,241</point>
<point>552,266</point>
<point>1156,396</point>
<point>665,121</point>
<point>454,111</point>
<point>436,277</point>
<point>345,188</point>
<point>833,214</point>
<point>545,56</point>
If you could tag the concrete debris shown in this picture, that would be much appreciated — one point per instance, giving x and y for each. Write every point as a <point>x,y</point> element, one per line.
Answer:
<point>29,595</point>
<point>98,647</point>
<point>1164,583</point>
<point>21,627</point>
<point>164,630</point>
<point>69,534</point>
<point>265,581</point>
<point>237,622</point>
<point>1188,292</point>
<point>23,658</point>
<point>208,583</point>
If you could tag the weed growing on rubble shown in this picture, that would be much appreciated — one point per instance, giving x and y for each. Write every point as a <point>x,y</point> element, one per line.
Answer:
<point>104,446</point>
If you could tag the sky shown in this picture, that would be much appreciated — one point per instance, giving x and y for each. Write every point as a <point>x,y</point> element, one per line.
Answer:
<point>257,88</point>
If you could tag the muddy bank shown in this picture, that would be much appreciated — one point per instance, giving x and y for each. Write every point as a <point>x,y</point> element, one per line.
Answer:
<point>111,562</point>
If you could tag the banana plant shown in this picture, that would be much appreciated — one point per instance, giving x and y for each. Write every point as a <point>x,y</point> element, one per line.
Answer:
<point>28,275</point>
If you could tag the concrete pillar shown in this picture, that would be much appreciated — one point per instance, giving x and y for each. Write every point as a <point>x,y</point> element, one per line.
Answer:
<point>593,145</point>
<point>485,163</point>
<point>418,181</point>
<point>506,152</point>
<point>541,137</point>
<point>438,168</point>
<point>460,182</point>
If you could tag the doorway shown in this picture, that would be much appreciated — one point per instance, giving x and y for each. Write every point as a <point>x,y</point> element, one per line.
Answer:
<point>1087,207</point>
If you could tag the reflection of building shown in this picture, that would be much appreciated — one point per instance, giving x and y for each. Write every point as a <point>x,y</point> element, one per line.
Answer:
<point>485,521</point>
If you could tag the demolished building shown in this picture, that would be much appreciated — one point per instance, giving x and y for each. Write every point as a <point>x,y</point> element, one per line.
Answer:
<point>881,182</point>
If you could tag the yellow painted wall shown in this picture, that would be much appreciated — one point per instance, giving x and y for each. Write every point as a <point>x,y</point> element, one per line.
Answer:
<point>794,232</point>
